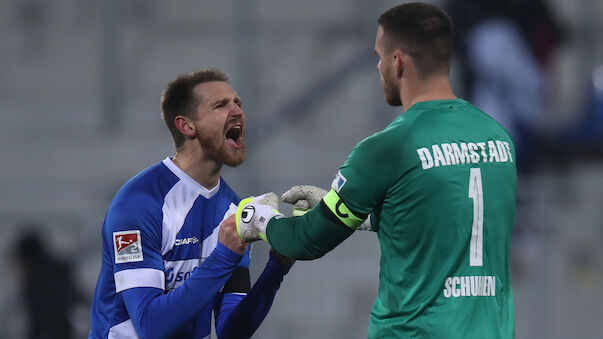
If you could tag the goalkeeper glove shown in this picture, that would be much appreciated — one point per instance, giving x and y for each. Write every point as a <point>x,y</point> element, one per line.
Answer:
<point>304,197</point>
<point>253,215</point>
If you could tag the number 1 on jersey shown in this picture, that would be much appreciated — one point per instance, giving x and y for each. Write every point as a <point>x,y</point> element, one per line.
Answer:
<point>476,193</point>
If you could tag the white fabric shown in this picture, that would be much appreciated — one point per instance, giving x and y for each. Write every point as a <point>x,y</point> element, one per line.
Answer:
<point>207,193</point>
<point>124,330</point>
<point>210,243</point>
<point>177,202</point>
<point>139,277</point>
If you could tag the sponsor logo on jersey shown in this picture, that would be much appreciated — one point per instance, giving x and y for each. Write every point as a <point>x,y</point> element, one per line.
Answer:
<point>127,246</point>
<point>186,241</point>
<point>176,277</point>
<point>338,182</point>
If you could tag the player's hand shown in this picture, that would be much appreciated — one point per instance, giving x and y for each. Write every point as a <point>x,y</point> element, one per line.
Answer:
<point>253,215</point>
<point>282,258</point>
<point>303,198</point>
<point>228,236</point>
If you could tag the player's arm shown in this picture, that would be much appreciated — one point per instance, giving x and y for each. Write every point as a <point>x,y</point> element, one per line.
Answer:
<point>317,232</point>
<point>304,197</point>
<point>360,185</point>
<point>141,284</point>
<point>156,315</point>
<point>239,315</point>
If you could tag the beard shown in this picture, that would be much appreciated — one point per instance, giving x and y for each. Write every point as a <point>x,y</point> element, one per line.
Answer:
<point>219,152</point>
<point>392,93</point>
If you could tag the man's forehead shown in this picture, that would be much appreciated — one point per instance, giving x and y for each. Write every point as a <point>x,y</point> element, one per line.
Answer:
<point>214,90</point>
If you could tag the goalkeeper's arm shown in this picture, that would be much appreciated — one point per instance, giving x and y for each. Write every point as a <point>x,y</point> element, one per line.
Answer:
<point>315,233</point>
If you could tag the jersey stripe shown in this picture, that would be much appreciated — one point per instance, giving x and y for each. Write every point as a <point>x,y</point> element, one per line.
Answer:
<point>139,277</point>
<point>123,330</point>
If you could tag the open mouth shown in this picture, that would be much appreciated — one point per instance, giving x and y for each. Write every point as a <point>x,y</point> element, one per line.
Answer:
<point>234,136</point>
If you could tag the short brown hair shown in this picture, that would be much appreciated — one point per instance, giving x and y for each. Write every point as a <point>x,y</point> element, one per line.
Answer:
<point>424,32</point>
<point>179,98</point>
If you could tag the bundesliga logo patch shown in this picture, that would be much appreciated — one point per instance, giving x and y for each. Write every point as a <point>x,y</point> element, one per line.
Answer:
<point>338,182</point>
<point>127,246</point>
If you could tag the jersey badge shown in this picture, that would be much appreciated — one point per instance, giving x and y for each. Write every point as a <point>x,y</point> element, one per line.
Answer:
<point>338,182</point>
<point>127,246</point>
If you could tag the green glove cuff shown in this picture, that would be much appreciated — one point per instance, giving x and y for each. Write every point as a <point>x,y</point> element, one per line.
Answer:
<point>341,211</point>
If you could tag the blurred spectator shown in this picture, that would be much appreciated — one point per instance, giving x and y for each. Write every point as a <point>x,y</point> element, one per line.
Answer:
<point>504,51</point>
<point>33,15</point>
<point>585,136</point>
<point>47,289</point>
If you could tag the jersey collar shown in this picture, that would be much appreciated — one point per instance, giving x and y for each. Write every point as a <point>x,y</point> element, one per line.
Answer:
<point>206,193</point>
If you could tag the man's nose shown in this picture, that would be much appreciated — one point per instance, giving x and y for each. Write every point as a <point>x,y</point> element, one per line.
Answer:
<point>236,112</point>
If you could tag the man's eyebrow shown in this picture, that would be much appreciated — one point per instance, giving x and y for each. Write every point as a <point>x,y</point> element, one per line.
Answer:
<point>220,102</point>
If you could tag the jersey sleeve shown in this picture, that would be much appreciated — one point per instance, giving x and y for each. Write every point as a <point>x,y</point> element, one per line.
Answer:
<point>360,185</point>
<point>157,315</point>
<point>132,229</point>
<point>366,175</point>
<point>239,315</point>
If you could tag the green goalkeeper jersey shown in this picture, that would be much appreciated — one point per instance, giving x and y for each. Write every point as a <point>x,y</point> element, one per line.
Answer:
<point>439,184</point>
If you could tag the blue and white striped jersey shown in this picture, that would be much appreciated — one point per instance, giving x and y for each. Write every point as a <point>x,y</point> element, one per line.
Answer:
<point>159,228</point>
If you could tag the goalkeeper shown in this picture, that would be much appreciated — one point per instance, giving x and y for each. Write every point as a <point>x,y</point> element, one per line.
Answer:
<point>438,184</point>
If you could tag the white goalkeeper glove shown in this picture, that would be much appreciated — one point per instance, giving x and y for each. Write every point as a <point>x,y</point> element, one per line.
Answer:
<point>304,197</point>
<point>253,215</point>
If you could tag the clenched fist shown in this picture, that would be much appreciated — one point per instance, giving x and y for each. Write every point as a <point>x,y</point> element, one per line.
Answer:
<point>229,237</point>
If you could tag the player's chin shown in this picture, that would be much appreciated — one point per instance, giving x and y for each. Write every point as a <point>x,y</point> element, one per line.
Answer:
<point>234,157</point>
<point>393,99</point>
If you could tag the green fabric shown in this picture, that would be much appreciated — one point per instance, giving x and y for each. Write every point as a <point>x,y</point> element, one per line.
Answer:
<point>306,237</point>
<point>427,180</point>
<point>414,179</point>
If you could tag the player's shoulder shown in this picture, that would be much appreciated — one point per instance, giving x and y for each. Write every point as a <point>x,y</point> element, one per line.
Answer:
<point>491,123</point>
<point>144,192</point>
<point>228,193</point>
<point>154,182</point>
<point>386,140</point>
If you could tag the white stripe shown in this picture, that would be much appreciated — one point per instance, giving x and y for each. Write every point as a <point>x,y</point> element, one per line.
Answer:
<point>207,193</point>
<point>177,203</point>
<point>123,330</point>
<point>139,277</point>
<point>210,243</point>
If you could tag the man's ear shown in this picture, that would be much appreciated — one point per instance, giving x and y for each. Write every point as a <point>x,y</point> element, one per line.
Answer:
<point>399,63</point>
<point>185,126</point>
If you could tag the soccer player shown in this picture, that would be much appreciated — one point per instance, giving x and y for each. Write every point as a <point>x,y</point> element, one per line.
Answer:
<point>439,185</point>
<point>168,259</point>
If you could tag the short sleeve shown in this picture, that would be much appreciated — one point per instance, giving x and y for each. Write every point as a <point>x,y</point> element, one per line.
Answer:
<point>132,229</point>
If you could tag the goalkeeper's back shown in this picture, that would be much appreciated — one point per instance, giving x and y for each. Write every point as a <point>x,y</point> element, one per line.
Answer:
<point>444,222</point>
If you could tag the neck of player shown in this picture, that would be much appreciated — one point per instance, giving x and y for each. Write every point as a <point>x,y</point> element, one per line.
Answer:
<point>197,166</point>
<point>413,90</point>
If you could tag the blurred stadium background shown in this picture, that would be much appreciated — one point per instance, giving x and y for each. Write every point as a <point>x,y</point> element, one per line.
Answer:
<point>79,101</point>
